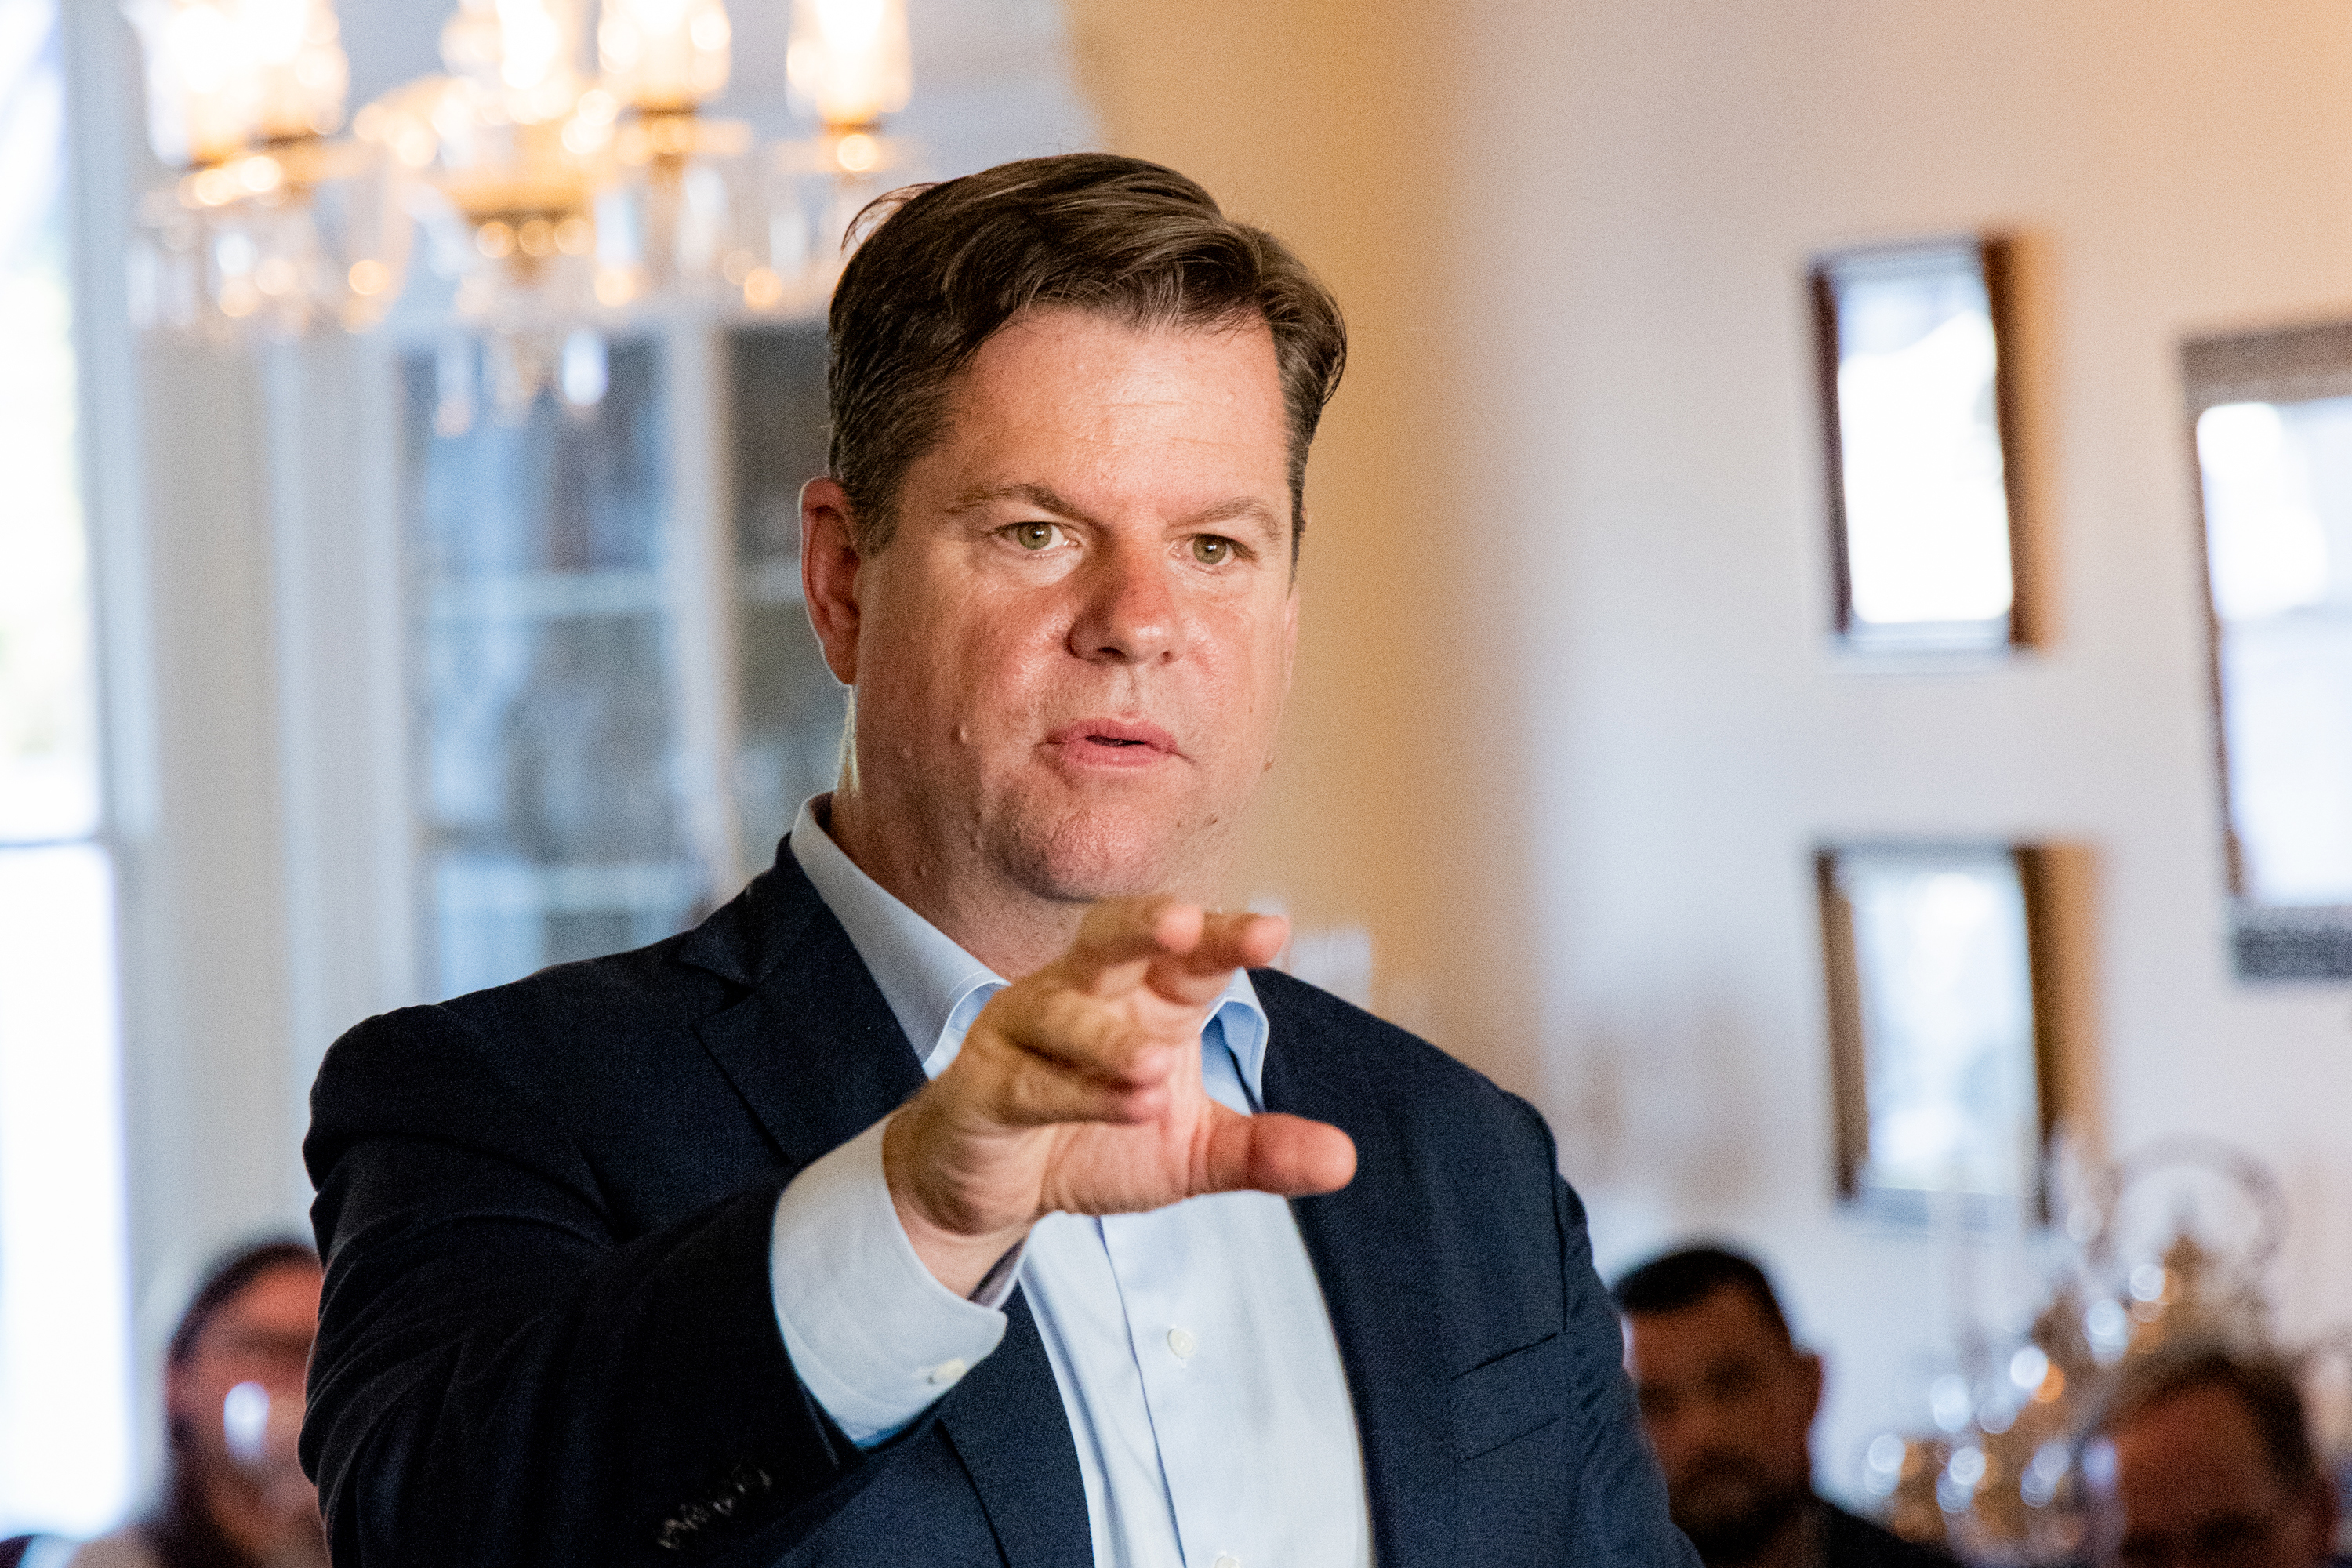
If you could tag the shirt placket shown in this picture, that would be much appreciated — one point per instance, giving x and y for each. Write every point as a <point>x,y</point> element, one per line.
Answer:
<point>1170,1273</point>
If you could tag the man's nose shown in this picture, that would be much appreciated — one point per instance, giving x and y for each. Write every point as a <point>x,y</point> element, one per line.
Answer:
<point>1129,611</point>
<point>1701,1423</point>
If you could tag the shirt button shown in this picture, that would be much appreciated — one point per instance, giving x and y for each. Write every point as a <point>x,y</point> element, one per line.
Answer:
<point>1181,1341</point>
<point>947,1372</point>
<point>1227,1559</point>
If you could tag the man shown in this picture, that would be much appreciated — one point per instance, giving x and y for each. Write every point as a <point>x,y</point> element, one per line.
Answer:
<point>804,1237</point>
<point>233,1497</point>
<point>1728,1402</point>
<point>2200,1456</point>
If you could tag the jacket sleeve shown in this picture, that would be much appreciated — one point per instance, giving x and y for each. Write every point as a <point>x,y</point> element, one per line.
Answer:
<point>498,1379</point>
<point>1621,1498</point>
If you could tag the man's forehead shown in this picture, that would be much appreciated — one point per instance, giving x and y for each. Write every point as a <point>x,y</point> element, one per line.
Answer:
<point>2199,1427</point>
<point>1725,1312</point>
<point>1064,349</point>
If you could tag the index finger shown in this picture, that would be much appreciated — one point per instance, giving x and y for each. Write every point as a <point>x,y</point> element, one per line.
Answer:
<point>1235,939</point>
<point>1178,949</point>
<point>1119,938</point>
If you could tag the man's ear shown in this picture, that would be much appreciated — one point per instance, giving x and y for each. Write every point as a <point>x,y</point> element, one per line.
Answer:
<point>1809,1379</point>
<point>829,564</point>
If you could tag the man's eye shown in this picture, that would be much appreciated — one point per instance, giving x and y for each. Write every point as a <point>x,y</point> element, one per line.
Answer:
<point>1729,1383</point>
<point>1034,535</point>
<point>1210,551</point>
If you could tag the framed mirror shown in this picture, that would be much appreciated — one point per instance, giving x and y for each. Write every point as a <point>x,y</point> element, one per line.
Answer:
<point>1942,1044</point>
<point>1917,423</point>
<point>2271,426</point>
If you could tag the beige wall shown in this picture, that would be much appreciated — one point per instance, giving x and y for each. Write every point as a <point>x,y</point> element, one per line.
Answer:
<point>1567,727</point>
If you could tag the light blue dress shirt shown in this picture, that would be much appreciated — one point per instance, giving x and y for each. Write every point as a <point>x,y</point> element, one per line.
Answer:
<point>1191,1347</point>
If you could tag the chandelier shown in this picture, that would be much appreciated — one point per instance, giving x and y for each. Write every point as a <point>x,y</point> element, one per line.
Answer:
<point>552,196</point>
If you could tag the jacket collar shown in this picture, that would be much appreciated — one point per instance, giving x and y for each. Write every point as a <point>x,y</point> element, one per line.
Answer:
<point>756,930</point>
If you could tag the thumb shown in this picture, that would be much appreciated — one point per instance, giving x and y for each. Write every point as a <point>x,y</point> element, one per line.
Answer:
<point>1288,1156</point>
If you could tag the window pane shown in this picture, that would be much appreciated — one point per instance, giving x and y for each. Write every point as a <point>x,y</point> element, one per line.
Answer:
<point>65,1402</point>
<point>64,1418</point>
<point>49,776</point>
<point>553,783</point>
<point>789,744</point>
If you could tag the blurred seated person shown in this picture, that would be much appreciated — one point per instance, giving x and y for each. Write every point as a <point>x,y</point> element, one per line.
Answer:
<point>2200,1456</point>
<point>1729,1401</point>
<point>233,1493</point>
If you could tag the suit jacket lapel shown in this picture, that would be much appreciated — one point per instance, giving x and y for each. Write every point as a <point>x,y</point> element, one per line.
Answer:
<point>1362,1239</point>
<point>1006,1421</point>
<point>814,1049</point>
<point>815,1052</point>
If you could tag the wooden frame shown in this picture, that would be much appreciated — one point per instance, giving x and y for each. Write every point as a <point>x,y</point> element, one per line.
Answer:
<point>1967,262</point>
<point>1890,1182</point>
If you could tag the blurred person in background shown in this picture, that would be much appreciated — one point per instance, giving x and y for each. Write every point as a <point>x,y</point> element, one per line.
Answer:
<point>233,1495</point>
<point>1729,1401</point>
<point>2201,1456</point>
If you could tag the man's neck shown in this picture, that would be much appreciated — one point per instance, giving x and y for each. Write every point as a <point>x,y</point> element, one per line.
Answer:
<point>1005,926</point>
<point>1796,1544</point>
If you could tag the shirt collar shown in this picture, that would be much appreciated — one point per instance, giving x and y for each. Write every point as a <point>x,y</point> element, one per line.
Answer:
<point>935,988</point>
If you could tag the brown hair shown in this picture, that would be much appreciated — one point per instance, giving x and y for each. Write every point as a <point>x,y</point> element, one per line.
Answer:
<point>943,266</point>
<point>2263,1384</point>
<point>225,1281</point>
<point>1681,1279</point>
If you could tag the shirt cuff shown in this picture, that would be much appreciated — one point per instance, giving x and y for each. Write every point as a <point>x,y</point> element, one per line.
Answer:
<point>875,1338</point>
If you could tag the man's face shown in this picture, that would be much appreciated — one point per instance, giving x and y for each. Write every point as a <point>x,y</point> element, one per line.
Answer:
<point>1071,658</point>
<point>1729,1404</point>
<point>2186,1483</point>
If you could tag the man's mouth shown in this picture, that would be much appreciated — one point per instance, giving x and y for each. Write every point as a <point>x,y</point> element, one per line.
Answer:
<point>1105,739</point>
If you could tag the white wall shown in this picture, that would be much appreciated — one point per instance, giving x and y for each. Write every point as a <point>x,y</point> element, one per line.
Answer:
<point>2173,169</point>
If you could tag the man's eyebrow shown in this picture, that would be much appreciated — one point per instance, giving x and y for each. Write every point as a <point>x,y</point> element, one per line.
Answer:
<point>1042,497</point>
<point>1239,509</point>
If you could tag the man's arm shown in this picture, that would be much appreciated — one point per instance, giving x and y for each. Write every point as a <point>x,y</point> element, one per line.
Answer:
<point>497,1379</point>
<point>1621,1498</point>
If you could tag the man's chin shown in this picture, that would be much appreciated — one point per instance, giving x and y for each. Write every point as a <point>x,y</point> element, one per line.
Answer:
<point>1086,857</point>
<point>1739,1527</point>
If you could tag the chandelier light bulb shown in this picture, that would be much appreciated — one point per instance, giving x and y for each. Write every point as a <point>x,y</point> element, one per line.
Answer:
<point>200,85</point>
<point>521,56</point>
<point>848,63</point>
<point>300,69</point>
<point>666,55</point>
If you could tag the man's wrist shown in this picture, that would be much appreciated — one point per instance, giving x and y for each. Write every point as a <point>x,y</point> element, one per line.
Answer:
<point>960,1257</point>
<point>873,1336</point>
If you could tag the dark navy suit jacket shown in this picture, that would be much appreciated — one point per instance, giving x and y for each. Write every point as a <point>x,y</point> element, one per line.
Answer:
<point>547,1336</point>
